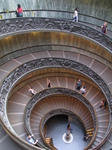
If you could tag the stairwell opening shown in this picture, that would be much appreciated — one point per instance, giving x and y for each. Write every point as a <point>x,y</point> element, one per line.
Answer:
<point>56,126</point>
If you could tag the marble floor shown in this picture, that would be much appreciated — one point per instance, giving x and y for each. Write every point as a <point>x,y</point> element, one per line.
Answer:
<point>56,127</point>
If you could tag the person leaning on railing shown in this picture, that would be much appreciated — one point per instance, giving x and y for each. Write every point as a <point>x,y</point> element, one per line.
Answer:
<point>31,140</point>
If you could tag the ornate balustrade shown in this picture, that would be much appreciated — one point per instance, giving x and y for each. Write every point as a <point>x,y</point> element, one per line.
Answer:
<point>60,14</point>
<point>21,25</point>
<point>33,65</point>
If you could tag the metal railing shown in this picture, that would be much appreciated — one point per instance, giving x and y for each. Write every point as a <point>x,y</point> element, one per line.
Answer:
<point>60,14</point>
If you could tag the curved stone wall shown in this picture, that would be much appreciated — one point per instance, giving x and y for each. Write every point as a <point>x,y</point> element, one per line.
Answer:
<point>21,44</point>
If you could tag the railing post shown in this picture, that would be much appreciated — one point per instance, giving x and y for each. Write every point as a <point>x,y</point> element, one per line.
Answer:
<point>10,15</point>
<point>4,12</point>
<point>30,13</point>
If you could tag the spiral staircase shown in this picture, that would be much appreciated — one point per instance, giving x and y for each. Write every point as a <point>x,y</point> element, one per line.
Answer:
<point>33,50</point>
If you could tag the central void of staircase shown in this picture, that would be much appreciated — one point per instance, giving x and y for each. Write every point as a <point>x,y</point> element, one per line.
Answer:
<point>56,127</point>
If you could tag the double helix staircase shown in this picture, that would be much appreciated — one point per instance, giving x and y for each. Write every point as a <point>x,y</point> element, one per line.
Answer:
<point>18,101</point>
<point>65,78</point>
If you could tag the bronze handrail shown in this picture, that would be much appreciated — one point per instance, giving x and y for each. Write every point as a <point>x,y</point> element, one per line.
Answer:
<point>60,11</point>
<point>103,141</point>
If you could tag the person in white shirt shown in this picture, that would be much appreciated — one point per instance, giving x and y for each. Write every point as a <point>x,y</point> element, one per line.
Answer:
<point>83,90</point>
<point>32,91</point>
<point>31,140</point>
<point>75,15</point>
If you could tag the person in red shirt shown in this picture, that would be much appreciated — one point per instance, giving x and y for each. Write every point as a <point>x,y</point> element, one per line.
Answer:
<point>19,11</point>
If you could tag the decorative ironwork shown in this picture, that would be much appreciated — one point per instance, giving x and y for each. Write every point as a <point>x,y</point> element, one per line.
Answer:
<point>14,26</point>
<point>30,66</point>
<point>52,91</point>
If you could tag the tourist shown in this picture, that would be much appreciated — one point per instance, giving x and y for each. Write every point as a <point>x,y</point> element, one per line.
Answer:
<point>78,84</point>
<point>32,91</point>
<point>19,12</point>
<point>48,83</point>
<point>102,104</point>
<point>31,140</point>
<point>69,128</point>
<point>75,15</point>
<point>83,90</point>
<point>86,136</point>
<point>104,28</point>
<point>105,104</point>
